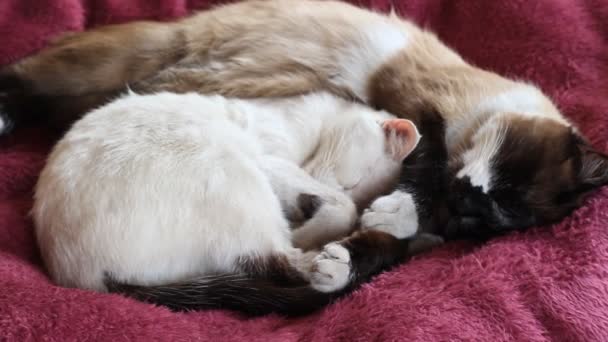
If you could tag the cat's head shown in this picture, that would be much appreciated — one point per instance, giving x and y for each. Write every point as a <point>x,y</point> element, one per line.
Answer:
<point>518,172</point>
<point>369,162</point>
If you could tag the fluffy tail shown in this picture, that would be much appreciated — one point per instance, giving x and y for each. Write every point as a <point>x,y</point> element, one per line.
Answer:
<point>238,292</point>
<point>276,287</point>
<point>81,71</point>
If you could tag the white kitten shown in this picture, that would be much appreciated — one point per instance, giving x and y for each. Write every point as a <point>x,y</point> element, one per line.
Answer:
<point>160,189</point>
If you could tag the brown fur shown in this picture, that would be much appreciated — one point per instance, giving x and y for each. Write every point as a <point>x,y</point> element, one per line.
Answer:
<point>547,165</point>
<point>104,59</point>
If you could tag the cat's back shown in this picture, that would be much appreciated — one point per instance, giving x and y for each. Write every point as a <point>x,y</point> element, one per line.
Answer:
<point>254,12</point>
<point>333,40</point>
<point>141,138</point>
<point>292,23</point>
<point>137,118</point>
<point>145,174</point>
<point>152,126</point>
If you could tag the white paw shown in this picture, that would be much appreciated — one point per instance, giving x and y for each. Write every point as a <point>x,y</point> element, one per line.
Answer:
<point>331,268</point>
<point>394,214</point>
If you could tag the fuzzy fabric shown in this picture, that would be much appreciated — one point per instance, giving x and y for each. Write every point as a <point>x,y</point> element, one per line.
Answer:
<point>550,283</point>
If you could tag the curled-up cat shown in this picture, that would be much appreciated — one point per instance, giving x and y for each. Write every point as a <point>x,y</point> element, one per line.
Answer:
<point>513,160</point>
<point>185,200</point>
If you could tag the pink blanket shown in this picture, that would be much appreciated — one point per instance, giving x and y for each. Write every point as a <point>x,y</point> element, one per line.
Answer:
<point>550,283</point>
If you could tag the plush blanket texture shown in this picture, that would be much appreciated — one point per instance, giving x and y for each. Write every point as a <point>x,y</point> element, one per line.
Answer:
<point>550,283</point>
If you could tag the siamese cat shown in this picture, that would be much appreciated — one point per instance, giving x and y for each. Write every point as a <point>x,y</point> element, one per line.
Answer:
<point>194,201</point>
<point>512,160</point>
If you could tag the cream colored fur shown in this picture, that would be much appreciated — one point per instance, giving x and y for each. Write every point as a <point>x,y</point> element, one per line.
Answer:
<point>159,188</point>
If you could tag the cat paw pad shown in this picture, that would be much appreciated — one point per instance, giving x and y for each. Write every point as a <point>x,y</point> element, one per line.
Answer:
<point>394,214</point>
<point>331,268</point>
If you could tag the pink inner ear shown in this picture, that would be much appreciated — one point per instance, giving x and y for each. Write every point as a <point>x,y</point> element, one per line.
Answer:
<point>402,137</point>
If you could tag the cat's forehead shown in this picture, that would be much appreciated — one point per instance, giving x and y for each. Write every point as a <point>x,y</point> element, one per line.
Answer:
<point>534,143</point>
<point>515,150</point>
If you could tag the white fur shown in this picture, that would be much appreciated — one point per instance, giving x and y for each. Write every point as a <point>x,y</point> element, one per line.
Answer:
<point>478,160</point>
<point>375,44</point>
<point>154,189</point>
<point>523,99</point>
<point>331,268</point>
<point>394,214</point>
<point>478,169</point>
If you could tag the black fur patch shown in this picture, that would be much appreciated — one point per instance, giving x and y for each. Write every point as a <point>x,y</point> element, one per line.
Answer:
<point>372,252</point>
<point>306,207</point>
<point>9,82</point>
<point>424,173</point>
<point>309,204</point>
<point>20,108</point>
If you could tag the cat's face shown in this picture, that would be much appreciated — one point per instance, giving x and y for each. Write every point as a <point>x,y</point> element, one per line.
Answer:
<point>520,172</point>
<point>369,161</point>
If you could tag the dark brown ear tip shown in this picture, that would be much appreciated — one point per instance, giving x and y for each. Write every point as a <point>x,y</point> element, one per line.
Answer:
<point>594,168</point>
<point>582,143</point>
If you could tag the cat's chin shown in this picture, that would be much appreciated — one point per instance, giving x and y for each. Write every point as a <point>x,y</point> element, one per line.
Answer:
<point>472,228</point>
<point>465,227</point>
<point>462,227</point>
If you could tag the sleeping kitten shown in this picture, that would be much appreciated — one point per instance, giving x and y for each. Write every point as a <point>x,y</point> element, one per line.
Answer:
<point>513,160</point>
<point>185,202</point>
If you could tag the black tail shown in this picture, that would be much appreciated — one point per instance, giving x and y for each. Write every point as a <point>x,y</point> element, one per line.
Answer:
<point>272,286</point>
<point>238,292</point>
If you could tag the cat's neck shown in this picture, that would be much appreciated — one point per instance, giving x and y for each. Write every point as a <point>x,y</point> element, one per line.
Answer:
<point>291,128</point>
<point>466,96</point>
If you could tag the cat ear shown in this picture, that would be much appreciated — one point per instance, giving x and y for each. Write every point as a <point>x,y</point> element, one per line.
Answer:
<point>594,168</point>
<point>402,137</point>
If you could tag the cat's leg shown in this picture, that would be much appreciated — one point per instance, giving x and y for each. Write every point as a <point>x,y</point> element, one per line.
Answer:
<point>347,263</point>
<point>318,212</point>
<point>334,217</point>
